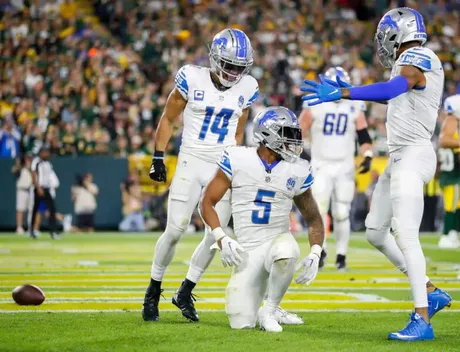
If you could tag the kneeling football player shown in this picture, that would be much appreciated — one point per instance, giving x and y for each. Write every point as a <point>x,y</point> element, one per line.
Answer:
<point>264,180</point>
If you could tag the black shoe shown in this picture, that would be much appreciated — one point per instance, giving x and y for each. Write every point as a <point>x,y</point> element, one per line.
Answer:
<point>33,235</point>
<point>340,262</point>
<point>152,297</point>
<point>184,301</point>
<point>322,259</point>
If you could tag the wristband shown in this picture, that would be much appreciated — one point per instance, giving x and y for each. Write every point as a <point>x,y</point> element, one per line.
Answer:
<point>158,155</point>
<point>218,233</point>
<point>368,153</point>
<point>316,249</point>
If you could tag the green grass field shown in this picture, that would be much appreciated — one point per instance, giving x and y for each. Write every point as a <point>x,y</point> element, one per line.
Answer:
<point>94,286</point>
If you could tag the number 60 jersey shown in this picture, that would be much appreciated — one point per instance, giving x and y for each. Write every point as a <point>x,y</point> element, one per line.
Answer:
<point>211,116</point>
<point>333,130</point>
<point>262,194</point>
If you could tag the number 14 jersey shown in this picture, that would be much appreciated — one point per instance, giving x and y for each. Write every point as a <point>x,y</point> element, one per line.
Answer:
<point>333,130</point>
<point>210,115</point>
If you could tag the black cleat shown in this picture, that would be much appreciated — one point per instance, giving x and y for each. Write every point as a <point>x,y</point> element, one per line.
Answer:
<point>340,262</point>
<point>152,297</point>
<point>322,258</point>
<point>184,301</point>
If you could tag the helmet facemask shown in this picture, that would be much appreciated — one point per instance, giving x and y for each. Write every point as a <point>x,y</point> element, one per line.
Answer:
<point>289,145</point>
<point>228,73</point>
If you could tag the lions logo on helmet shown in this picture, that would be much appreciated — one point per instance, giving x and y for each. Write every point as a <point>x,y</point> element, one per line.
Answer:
<point>231,56</point>
<point>396,27</point>
<point>278,129</point>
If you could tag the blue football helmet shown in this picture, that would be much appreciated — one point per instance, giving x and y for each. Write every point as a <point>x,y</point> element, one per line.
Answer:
<point>231,56</point>
<point>396,27</point>
<point>278,129</point>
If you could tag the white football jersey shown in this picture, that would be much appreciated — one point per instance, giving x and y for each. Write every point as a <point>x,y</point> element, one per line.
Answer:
<point>210,115</point>
<point>411,117</point>
<point>262,194</point>
<point>333,130</point>
<point>452,105</point>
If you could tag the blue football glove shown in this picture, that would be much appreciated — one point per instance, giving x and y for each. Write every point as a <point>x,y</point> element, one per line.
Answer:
<point>338,84</point>
<point>322,92</point>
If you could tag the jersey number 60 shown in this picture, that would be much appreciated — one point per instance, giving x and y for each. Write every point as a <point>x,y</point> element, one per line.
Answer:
<point>335,124</point>
<point>262,216</point>
<point>220,124</point>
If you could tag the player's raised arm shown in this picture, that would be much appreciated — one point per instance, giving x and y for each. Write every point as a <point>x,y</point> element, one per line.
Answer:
<point>174,107</point>
<point>365,142</point>
<point>241,127</point>
<point>305,121</point>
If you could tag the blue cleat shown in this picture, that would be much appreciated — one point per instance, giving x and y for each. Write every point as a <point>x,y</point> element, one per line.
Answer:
<point>437,300</point>
<point>417,330</point>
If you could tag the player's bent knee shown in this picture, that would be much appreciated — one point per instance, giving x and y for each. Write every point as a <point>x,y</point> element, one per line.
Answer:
<point>174,233</point>
<point>342,212</point>
<point>284,247</point>
<point>375,237</point>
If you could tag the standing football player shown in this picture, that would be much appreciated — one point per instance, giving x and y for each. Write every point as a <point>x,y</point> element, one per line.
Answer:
<point>413,94</point>
<point>449,176</point>
<point>264,180</point>
<point>333,127</point>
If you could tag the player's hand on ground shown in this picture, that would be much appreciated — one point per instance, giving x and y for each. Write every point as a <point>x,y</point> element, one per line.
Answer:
<point>309,267</point>
<point>157,170</point>
<point>321,92</point>
<point>230,251</point>
<point>365,166</point>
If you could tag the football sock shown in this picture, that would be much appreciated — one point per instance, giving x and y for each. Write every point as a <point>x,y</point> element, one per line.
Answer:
<point>342,236</point>
<point>409,243</point>
<point>281,274</point>
<point>201,258</point>
<point>450,221</point>
<point>164,252</point>
<point>187,287</point>
<point>386,243</point>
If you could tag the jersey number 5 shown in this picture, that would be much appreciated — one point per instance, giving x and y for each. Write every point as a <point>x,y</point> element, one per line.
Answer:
<point>220,124</point>
<point>335,124</point>
<point>262,216</point>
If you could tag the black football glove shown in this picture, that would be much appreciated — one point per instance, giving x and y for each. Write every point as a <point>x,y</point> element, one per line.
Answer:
<point>365,166</point>
<point>158,168</point>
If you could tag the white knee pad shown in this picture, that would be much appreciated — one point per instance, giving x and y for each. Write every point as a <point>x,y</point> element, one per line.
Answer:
<point>174,233</point>
<point>341,211</point>
<point>240,321</point>
<point>283,247</point>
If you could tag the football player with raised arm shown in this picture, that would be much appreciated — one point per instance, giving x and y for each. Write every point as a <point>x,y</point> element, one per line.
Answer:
<point>264,181</point>
<point>413,94</point>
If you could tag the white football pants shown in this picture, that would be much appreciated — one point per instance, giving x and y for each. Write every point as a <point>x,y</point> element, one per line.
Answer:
<point>397,204</point>
<point>191,177</point>
<point>248,284</point>
<point>335,181</point>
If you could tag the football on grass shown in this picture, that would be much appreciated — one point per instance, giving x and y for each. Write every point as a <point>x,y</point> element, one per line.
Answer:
<point>28,295</point>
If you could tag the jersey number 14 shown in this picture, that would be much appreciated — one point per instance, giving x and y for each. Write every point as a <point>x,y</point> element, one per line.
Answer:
<point>219,125</point>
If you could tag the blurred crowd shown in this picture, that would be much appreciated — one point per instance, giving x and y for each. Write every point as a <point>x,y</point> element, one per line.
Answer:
<point>92,77</point>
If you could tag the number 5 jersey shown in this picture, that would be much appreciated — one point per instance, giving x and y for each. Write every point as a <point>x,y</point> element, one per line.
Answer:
<point>211,116</point>
<point>262,194</point>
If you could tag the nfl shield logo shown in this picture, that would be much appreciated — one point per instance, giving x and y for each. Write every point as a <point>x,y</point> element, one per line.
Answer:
<point>240,101</point>
<point>290,184</point>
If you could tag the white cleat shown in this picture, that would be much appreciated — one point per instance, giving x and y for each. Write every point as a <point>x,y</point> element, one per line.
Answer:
<point>20,231</point>
<point>268,321</point>
<point>449,241</point>
<point>287,318</point>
